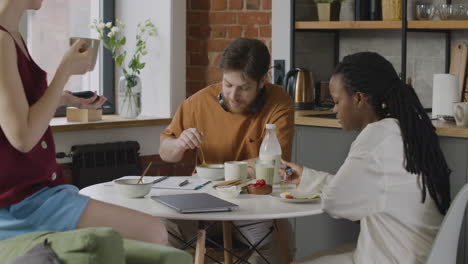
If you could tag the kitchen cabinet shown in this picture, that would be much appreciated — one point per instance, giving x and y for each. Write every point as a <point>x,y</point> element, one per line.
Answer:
<point>326,149</point>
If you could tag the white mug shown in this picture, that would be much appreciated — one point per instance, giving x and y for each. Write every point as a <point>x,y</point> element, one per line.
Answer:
<point>460,112</point>
<point>89,43</point>
<point>235,170</point>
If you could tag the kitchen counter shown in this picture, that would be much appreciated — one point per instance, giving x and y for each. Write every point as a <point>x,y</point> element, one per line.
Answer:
<point>444,128</point>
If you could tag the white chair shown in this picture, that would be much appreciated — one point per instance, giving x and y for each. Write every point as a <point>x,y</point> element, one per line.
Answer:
<point>444,249</point>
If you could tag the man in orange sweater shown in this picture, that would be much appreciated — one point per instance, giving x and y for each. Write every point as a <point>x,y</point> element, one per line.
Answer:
<point>227,120</point>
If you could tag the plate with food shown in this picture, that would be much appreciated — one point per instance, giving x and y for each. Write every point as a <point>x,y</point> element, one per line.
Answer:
<point>297,197</point>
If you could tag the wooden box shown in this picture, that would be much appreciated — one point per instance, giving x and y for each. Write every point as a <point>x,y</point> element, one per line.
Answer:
<point>83,115</point>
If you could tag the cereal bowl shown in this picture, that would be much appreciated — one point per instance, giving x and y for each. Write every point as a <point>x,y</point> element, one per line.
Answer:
<point>131,189</point>
<point>213,172</point>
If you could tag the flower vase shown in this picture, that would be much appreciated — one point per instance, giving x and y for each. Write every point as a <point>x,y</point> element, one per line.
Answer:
<point>129,96</point>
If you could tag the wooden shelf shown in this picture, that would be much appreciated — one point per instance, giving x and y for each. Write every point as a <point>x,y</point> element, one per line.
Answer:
<point>438,24</point>
<point>416,24</point>
<point>348,24</point>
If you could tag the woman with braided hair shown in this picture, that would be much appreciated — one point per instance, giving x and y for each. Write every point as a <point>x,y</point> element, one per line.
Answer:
<point>392,165</point>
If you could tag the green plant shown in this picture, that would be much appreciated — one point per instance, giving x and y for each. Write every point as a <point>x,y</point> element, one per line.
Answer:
<point>114,41</point>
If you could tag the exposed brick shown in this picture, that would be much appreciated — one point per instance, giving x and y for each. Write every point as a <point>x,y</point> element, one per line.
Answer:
<point>234,31</point>
<point>213,75</point>
<point>266,4</point>
<point>217,44</point>
<point>198,59</point>
<point>236,4</point>
<point>219,5</point>
<point>199,31</point>
<point>251,31</point>
<point>196,45</point>
<point>200,5</point>
<point>214,58</point>
<point>218,32</point>
<point>197,18</point>
<point>195,86</point>
<point>254,18</point>
<point>253,4</point>
<point>222,18</point>
<point>265,31</point>
<point>196,73</point>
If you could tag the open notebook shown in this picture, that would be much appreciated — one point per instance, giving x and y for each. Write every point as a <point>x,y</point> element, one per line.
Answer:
<point>195,203</point>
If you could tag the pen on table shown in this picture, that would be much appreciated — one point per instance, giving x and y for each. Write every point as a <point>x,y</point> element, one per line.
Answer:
<point>160,179</point>
<point>201,185</point>
<point>183,183</point>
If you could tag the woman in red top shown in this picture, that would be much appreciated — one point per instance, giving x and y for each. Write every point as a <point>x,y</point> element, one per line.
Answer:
<point>33,196</point>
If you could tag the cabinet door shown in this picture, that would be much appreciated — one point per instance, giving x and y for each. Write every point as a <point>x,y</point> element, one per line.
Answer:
<point>456,153</point>
<point>323,149</point>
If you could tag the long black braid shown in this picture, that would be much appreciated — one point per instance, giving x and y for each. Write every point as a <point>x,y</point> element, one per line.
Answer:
<point>373,75</point>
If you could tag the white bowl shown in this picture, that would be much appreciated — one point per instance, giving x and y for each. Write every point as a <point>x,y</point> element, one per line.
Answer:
<point>229,192</point>
<point>129,187</point>
<point>214,172</point>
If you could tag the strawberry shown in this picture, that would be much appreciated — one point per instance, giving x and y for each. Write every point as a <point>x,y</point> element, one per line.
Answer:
<point>261,182</point>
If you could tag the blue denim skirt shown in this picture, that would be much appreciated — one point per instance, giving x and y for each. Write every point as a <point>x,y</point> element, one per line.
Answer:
<point>57,208</point>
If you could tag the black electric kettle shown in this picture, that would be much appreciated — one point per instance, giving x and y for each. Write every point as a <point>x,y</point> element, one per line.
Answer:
<point>299,84</point>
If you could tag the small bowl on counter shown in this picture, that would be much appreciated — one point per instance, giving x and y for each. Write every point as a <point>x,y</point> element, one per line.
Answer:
<point>131,189</point>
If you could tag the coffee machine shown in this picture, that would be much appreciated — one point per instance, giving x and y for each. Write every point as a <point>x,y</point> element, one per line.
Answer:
<point>299,84</point>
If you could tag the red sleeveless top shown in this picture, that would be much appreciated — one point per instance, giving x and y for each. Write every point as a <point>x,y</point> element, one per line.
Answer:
<point>22,174</point>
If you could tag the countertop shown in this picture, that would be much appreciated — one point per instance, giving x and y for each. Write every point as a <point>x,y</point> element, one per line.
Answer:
<point>443,128</point>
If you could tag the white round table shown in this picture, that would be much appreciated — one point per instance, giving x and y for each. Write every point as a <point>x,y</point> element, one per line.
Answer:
<point>251,207</point>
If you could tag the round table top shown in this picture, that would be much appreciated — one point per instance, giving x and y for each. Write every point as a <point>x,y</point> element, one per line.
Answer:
<point>251,207</point>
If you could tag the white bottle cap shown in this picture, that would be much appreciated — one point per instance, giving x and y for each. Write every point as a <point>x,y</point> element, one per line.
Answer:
<point>270,126</point>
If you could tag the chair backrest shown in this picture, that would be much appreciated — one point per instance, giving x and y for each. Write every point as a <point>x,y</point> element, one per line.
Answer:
<point>444,249</point>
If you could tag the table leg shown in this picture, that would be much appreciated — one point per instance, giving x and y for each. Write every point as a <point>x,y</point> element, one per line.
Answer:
<point>227,237</point>
<point>200,249</point>
<point>282,242</point>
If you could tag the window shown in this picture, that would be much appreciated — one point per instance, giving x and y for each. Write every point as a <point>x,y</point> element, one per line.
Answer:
<point>48,34</point>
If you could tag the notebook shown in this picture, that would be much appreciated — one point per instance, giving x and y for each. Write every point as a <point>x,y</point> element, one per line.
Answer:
<point>195,203</point>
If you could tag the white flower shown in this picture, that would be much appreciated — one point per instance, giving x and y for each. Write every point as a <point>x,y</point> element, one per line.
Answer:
<point>109,24</point>
<point>111,34</point>
<point>101,26</point>
<point>115,30</point>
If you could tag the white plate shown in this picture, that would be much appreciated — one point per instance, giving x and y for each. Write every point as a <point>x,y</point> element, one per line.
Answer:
<point>303,200</point>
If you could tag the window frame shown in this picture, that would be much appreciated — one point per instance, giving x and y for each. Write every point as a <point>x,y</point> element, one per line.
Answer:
<point>106,80</point>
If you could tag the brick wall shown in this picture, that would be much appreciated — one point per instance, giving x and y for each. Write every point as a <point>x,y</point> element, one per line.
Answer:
<point>213,24</point>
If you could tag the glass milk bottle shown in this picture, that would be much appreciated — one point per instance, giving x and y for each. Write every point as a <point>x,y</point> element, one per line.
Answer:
<point>271,149</point>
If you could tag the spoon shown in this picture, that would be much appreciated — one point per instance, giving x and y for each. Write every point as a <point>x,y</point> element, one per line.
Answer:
<point>144,173</point>
<point>203,164</point>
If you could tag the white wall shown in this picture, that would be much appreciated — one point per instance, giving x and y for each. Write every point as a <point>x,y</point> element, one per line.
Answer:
<point>163,78</point>
<point>281,31</point>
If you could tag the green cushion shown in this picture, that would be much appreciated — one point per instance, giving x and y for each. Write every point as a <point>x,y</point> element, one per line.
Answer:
<point>93,245</point>
<point>90,245</point>
<point>137,252</point>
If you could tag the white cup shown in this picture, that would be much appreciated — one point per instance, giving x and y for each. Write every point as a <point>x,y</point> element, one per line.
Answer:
<point>89,44</point>
<point>460,112</point>
<point>235,170</point>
